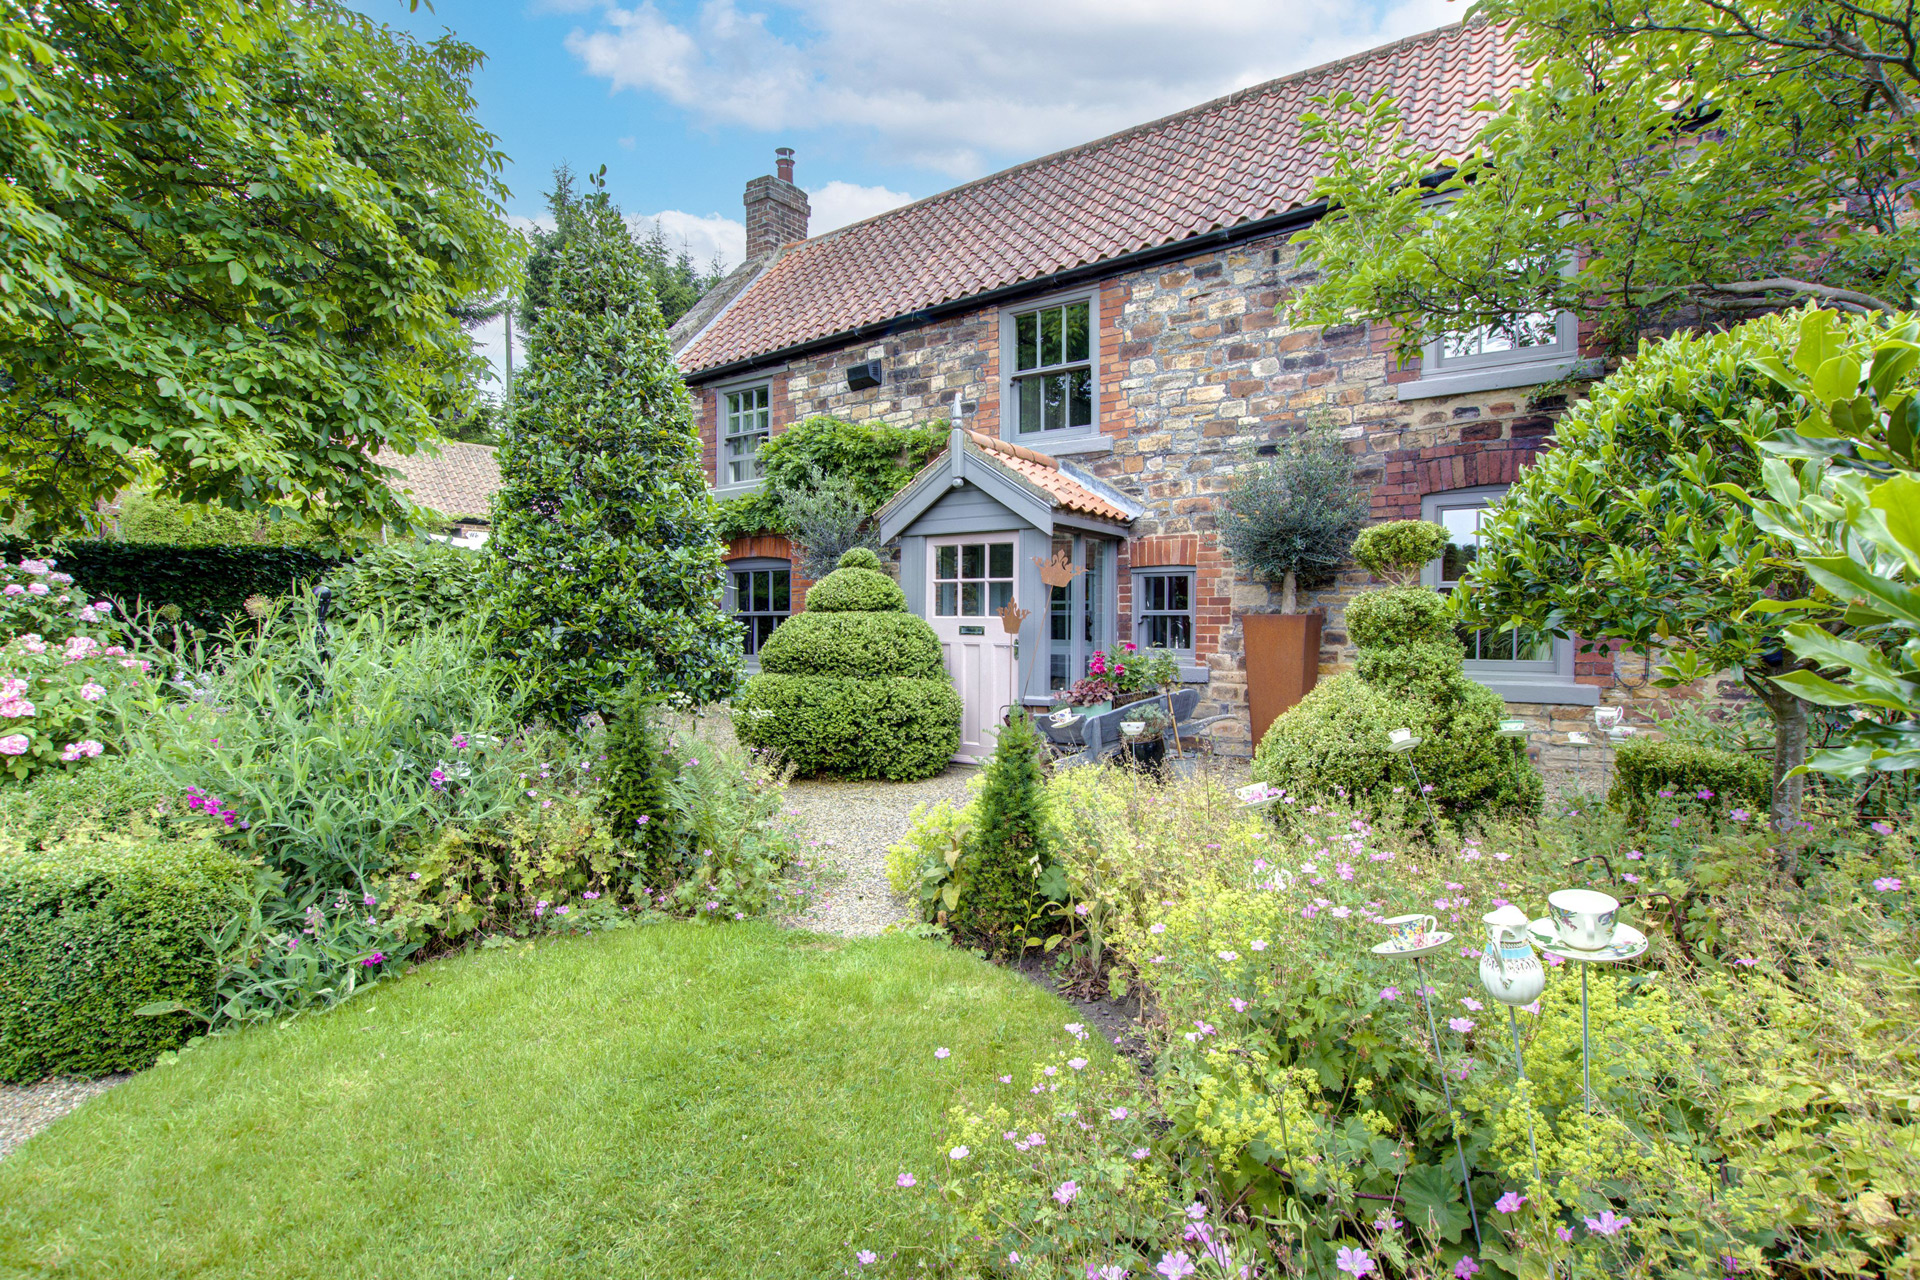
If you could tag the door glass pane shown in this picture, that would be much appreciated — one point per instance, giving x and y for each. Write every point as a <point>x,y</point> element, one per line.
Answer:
<point>1077,331</point>
<point>1057,671</point>
<point>1026,341</point>
<point>999,596</point>
<point>1059,615</point>
<point>1093,595</point>
<point>1050,336</point>
<point>970,600</point>
<point>973,560</point>
<point>946,562</point>
<point>1000,560</point>
<point>946,600</point>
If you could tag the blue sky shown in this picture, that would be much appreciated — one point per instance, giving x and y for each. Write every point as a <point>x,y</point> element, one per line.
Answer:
<point>685,100</point>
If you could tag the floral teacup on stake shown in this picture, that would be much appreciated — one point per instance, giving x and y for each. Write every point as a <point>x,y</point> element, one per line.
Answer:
<point>1408,932</point>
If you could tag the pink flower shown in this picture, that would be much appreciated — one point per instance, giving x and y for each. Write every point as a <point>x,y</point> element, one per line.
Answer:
<point>1462,1025</point>
<point>958,1153</point>
<point>866,1257</point>
<point>16,708</point>
<point>1066,1191</point>
<point>904,1180</point>
<point>1175,1266</point>
<point>1354,1262</point>
<point>1389,993</point>
<point>1466,1268</point>
<point>14,589</point>
<point>1887,884</point>
<point>942,1052</point>
<point>86,749</point>
<point>1239,1005</point>
<point>1883,828</point>
<point>1510,1202</point>
<point>1608,1225</point>
<point>91,692</point>
<point>1471,1003</point>
<point>1138,1153</point>
<point>1258,944</point>
<point>1565,1234</point>
<point>14,744</point>
<point>37,588</point>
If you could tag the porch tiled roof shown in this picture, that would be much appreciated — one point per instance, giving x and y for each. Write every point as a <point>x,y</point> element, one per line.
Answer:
<point>1044,473</point>
<point>1234,160</point>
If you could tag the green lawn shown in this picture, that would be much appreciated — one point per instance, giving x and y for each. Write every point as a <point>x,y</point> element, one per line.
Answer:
<point>673,1101</point>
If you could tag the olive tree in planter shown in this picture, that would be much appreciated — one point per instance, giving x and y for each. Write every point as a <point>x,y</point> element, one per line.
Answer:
<point>1289,520</point>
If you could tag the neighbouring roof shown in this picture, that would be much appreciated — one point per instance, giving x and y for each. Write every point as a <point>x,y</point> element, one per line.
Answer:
<point>1236,159</point>
<point>459,483</point>
<point>1021,476</point>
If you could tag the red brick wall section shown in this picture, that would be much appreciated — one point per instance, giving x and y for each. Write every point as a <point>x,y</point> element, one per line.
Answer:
<point>1212,584</point>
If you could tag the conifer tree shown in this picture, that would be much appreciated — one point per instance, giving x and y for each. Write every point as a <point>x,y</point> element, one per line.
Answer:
<point>1010,845</point>
<point>605,559</point>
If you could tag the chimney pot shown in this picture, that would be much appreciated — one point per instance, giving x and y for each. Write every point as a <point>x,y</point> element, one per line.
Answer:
<point>777,210</point>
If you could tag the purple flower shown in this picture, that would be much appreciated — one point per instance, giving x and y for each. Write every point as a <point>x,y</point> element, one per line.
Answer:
<point>904,1180</point>
<point>1466,1268</point>
<point>377,957</point>
<point>866,1257</point>
<point>1608,1225</point>
<point>1389,993</point>
<point>942,1052</point>
<point>1175,1266</point>
<point>1066,1191</point>
<point>1462,1025</point>
<point>367,901</point>
<point>590,896</point>
<point>1883,828</point>
<point>1471,1003</point>
<point>1510,1202</point>
<point>1740,815</point>
<point>1565,1234</point>
<point>1887,884</point>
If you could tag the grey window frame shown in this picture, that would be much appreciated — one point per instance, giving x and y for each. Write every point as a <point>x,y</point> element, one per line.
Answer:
<point>721,471</point>
<point>1140,613</point>
<point>758,564</point>
<point>1068,441</point>
<point>1519,680</point>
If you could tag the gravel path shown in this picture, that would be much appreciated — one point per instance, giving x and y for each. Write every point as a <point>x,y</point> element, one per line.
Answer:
<point>27,1109</point>
<point>855,823</point>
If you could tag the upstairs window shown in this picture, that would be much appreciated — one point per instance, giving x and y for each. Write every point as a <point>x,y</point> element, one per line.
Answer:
<point>1051,384</point>
<point>746,422</point>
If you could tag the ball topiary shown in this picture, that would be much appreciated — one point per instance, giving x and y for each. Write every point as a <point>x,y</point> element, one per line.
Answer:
<point>856,590</point>
<point>1411,674</point>
<point>855,685</point>
<point>860,558</point>
<point>1397,550</point>
<point>861,645</point>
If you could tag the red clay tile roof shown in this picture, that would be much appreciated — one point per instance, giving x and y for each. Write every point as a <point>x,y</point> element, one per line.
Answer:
<point>460,482</point>
<point>1233,160</point>
<point>1043,473</point>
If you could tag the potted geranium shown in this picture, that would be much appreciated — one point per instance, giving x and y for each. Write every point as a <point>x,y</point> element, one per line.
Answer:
<point>1090,696</point>
<point>1290,519</point>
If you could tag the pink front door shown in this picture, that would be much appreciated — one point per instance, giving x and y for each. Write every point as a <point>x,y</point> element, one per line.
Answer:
<point>969,580</point>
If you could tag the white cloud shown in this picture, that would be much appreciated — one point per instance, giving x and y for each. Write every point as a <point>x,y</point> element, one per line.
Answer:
<point>706,236</point>
<point>957,85</point>
<point>838,203</point>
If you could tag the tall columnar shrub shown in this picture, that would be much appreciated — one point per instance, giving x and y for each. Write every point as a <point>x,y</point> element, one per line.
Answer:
<point>855,685</point>
<point>1008,847</point>
<point>634,799</point>
<point>1291,518</point>
<point>1411,674</point>
<point>605,562</point>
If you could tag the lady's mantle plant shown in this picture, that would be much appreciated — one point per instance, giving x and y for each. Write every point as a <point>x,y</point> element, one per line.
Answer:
<point>605,562</point>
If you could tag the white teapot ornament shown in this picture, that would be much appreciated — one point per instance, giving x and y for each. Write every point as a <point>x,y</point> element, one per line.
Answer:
<point>1509,970</point>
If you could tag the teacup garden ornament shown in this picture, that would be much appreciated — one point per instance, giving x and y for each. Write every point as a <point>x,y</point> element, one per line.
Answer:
<point>1509,970</point>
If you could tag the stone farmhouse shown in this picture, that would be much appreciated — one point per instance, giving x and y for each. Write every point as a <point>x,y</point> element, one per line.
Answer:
<point>1099,327</point>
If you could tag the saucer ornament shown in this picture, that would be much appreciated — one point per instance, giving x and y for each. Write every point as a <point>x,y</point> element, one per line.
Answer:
<point>1628,944</point>
<point>1435,942</point>
<point>1257,795</point>
<point>1399,740</point>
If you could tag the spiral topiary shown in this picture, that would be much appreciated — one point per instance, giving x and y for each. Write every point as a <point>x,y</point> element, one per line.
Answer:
<point>854,685</point>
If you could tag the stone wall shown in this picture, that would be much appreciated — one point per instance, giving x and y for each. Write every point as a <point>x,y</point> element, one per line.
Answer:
<point>1198,377</point>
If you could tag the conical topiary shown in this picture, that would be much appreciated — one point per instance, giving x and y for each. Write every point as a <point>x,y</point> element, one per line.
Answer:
<point>1008,846</point>
<point>605,563</point>
<point>855,685</point>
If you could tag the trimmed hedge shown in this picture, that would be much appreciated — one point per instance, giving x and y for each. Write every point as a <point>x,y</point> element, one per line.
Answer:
<point>1399,615</point>
<point>1642,769</point>
<point>415,585</point>
<point>897,728</point>
<point>859,645</point>
<point>90,934</point>
<point>1396,551</point>
<point>209,585</point>
<point>852,589</point>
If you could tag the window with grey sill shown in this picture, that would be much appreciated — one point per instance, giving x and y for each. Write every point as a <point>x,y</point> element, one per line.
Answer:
<point>1050,354</point>
<point>760,597</point>
<point>1520,666</point>
<point>1522,351</point>
<point>1163,609</point>
<point>745,423</point>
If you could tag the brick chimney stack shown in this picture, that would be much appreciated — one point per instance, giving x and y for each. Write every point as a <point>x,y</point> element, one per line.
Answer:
<point>776,209</point>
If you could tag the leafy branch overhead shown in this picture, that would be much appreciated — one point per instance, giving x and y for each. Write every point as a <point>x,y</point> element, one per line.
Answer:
<point>236,238</point>
<point>1669,160</point>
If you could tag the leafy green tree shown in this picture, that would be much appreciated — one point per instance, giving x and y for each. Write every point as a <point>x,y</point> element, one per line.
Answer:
<point>605,563</point>
<point>1631,529</point>
<point>233,236</point>
<point>676,280</point>
<point>1292,518</point>
<point>1668,160</point>
<point>1843,489</point>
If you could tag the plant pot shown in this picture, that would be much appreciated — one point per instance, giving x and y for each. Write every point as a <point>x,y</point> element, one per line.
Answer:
<point>1283,663</point>
<point>1094,708</point>
<point>1148,754</point>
